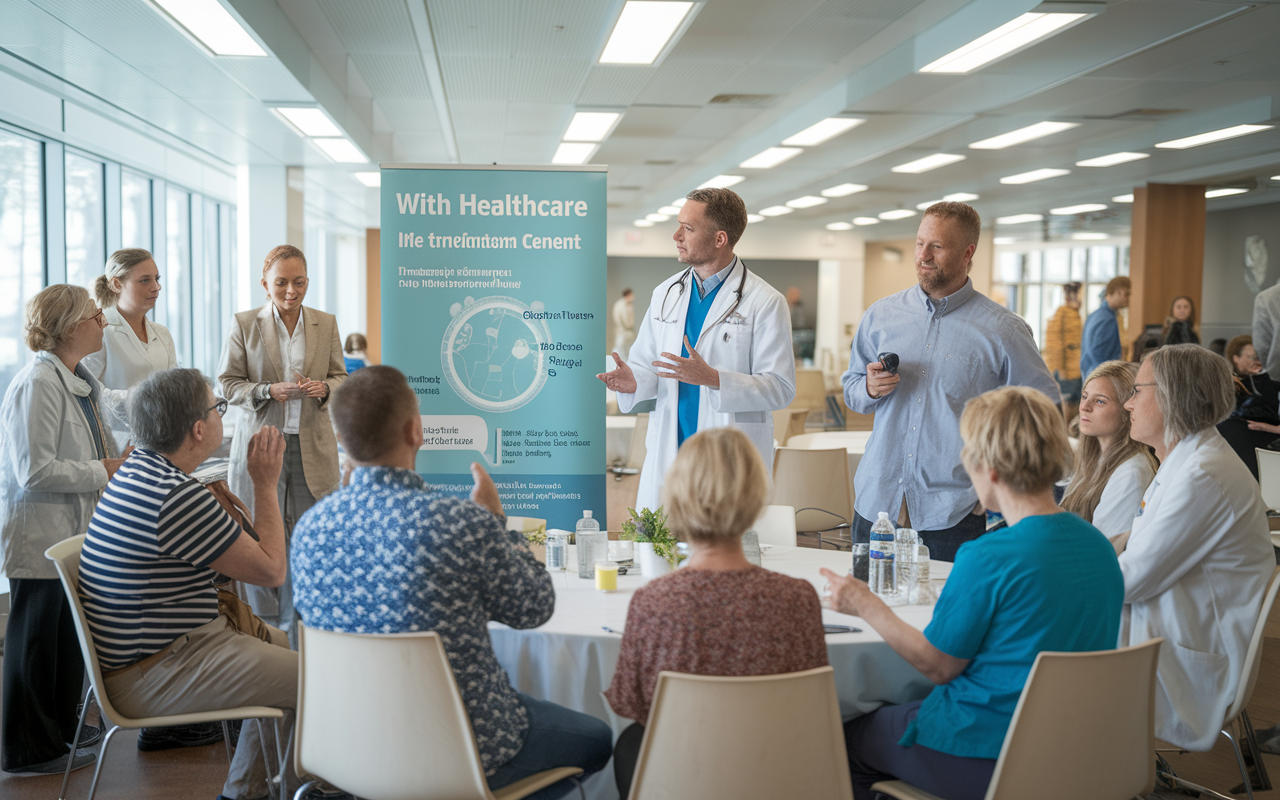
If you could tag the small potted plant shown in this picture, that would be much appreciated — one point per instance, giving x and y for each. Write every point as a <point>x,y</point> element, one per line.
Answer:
<point>535,536</point>
<point>656,552</point>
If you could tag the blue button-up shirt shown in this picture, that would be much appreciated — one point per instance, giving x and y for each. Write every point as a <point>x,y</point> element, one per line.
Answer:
<point>949,352</point>
<point>1101,339</point>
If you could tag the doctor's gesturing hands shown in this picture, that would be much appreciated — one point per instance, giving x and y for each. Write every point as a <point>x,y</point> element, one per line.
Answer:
<point>692,370</point>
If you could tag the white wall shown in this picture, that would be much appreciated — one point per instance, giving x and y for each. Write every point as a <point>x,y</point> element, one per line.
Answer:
<point>1226,303</point>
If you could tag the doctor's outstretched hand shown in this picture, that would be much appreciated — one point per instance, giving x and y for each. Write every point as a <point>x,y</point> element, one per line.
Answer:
<point>692,370</point>
<point>621,379</point>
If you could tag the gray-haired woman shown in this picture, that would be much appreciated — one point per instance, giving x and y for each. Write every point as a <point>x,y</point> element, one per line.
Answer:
<point>56,455</point>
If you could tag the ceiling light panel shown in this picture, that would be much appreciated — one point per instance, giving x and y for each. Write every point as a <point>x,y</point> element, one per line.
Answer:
<point>751,218</point>
<point>808,201</point>
<point>340,150</point>
<point>1018,219</point>
<point>591,126</point>
<point>927,163</point>
<point>573,153</point>
<point>839,226</point>
<point>643,223</point>
<point>829,128</point>
<point>1003,240</point>
<point>643,31</point>
<point>926,204</point>
<point>776,211</point>
<point>960,197</point>
<point>771,158</point>
<point>1112,160</point>
<point>897,213</point>
<point>1027,134</point>
<point>213,26</point>
<point>669,210</point>
<point>680,203</point>
<point>1089,236</point>
<point>720,182</point>
<point>309,121</point>
<point>657,217</point>
<point>1212,193</point>
<point>1083,208</point>
<point>843,190</point>
<point>865,221</point>
<point>1014,35</point>
<point>369,178</point>
<point>1212,136</point>
<point>1034,175</point>
<point>1122,198</point>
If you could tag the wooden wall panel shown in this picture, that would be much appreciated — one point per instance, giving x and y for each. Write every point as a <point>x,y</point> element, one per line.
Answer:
<point>373,291</point>
<point>1166,255</point>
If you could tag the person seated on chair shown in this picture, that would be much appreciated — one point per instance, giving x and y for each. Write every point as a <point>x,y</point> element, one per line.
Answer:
<point>1198,559</point>
<point>168,641</point>
<point>1047,582</point>
<point>719,615</point>
<point>387,554</point>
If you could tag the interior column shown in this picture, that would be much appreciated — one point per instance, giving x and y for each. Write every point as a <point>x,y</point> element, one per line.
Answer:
<point>1166,255</point>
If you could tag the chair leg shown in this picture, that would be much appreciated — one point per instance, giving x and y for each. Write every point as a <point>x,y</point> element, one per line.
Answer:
<point>66,776</point>
<point>582,792</point>
<point>266,759</point>
<point>102,756</point>
<point>275,723</point>
<point>1244,770</point>
<point>304,788</point>
<point>226,739</point>
<point>1254,757</point>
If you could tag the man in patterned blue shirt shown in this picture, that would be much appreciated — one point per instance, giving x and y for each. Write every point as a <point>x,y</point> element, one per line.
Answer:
<point>386,554</point>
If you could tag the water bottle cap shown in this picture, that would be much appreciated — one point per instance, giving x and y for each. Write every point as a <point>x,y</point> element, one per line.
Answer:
<point>586,515</point>
<point>884,515</point>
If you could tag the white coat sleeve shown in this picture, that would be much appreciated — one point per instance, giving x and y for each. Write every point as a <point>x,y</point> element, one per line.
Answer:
<point>644,351</point>
<point>34,426</point>
<point>1122,497</point>
<point>772,382</point>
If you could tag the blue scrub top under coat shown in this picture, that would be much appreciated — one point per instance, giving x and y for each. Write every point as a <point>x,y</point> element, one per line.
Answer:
<point>690,396</point>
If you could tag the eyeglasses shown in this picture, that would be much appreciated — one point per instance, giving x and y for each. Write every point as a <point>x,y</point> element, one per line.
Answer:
<point>221,405</point>
<point>99,318</point>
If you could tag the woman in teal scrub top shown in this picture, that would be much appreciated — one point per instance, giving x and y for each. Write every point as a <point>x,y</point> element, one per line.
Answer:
<point>1050,581</point>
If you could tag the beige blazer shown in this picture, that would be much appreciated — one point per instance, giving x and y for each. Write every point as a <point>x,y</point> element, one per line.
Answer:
<point>252,358</point>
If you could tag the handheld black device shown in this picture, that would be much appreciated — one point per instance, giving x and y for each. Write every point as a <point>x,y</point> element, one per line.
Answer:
<point>890,362</point>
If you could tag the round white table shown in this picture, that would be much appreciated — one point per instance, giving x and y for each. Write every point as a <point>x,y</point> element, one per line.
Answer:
<point>570,660</point>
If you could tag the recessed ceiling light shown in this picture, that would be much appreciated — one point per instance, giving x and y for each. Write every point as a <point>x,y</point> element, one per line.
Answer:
<point>843,190</point>
<point>340,150</point>
<point>591,126</point>
<point>1018,219</point>
<point>960,197</point>
<point>1089,236</point>
<point>839,226</point>
<point>1083,208</point>
<point>829,128</point>
<point>754,218</point>
<point>669,210</point>
<point>573,153</point>
<point>369,178</point>
<point>926,204</point>
<point>721,182</point>
<point>1003,240</point>
<point>808,201</point>
<point>1112,160</point>
<point>680,203</point>
<point>771,158</point>
<point>657,217</point>
<point>897,213</point>
<point>1122,198</point>
<point>927,163</point>
<point>776,211</point>
<point>1035,175</point>
<point>1212,136</point>
<point>642,31</point>
<point>1010,37</point>
<point>1027,134</point>
<point>1212,193</point>
<point>308,121</point>
<point>643,223</point>
<point>1274,178</point>
<point>865,221</point>
<point>213,26</point>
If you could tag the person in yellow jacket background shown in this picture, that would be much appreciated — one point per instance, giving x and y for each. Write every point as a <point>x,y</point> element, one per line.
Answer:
<point>1062,348</point>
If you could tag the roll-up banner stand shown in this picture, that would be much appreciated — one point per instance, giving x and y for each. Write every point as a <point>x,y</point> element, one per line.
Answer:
<point>493,299</point>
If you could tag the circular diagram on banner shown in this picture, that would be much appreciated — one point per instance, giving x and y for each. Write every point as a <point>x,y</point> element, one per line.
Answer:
<point>492,355</point>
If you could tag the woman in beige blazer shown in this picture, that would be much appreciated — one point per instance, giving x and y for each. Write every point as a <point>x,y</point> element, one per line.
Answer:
<point>282,363</point>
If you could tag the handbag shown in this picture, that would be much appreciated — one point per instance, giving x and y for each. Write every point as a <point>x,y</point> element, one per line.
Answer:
<point>1255,409</point>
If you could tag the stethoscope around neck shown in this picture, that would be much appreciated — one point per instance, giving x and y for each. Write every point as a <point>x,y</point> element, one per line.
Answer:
<point>665,315</point>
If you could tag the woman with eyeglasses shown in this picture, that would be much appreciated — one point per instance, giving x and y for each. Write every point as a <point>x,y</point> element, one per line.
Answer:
<point>56,456</point>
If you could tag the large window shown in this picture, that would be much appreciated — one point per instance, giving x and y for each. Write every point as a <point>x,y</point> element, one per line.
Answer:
<point>176,295</point>
<point>135,210</point>
<point>1029,283</point>
<point>86,220</point>
<point>21,247</point>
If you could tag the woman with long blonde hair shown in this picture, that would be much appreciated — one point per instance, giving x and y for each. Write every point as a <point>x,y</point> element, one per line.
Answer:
<point>1112,470</point>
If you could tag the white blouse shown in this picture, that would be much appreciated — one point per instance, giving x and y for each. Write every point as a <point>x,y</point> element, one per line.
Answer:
<point>1122,497</point>
<point>124,361</point>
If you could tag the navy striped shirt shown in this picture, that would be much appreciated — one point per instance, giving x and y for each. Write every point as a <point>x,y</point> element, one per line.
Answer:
<point>144,571</point>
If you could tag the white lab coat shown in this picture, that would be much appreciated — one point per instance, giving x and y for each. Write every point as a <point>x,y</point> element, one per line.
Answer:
<point>1195,569</point>
<point>124,362</point>
<point>1122,496</point>
<point>752,351</point>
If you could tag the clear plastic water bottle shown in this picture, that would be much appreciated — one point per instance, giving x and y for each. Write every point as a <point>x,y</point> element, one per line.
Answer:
<point>557,550</point>
<point>882,576</point>
<point>923,594</point>
<point>905,541</point>
<point>593,545</point>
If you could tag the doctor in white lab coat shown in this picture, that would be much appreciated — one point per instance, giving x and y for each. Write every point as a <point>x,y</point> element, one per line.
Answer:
<point>738,365</point>
<point>1199,556</point>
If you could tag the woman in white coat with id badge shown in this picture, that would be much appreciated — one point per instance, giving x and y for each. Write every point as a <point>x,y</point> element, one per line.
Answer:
<point>714,346</point>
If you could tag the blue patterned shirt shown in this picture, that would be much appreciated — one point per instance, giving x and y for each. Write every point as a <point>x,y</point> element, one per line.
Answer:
<point>388,555</point>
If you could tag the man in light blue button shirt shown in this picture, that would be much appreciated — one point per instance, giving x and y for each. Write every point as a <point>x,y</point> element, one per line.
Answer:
<point>953,344</point>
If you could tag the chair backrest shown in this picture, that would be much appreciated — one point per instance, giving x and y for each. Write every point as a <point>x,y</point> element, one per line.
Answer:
<point>811,390</point>
<point>853,421</point>
<point>816,484</point>
<point>1269,476</point>
<point>381,716</point>
<point>752,738</point>
<point>788,422</point>
<point>636,454</point>
<point>777,525</point>
<point>1253,658</point>
<point>1084,727</point>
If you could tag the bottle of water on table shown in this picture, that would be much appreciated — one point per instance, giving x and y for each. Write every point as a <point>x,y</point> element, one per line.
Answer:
<point>904,558</point>
<point>882,576</point>
<point>593,545</point>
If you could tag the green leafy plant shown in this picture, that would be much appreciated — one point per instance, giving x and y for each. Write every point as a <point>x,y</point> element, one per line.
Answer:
<point>651,527</point>
<point>537,536</point>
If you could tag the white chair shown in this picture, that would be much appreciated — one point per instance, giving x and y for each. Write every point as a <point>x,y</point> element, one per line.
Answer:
<point>1244,691</point>
<point>816,484</point>
<point>788,422</point>
<point>65,556</point>
<point>381,717</point>
<point>777,525</point>
<point>1084,727</point>
<point>754,738</point>
<point>1269,476</point>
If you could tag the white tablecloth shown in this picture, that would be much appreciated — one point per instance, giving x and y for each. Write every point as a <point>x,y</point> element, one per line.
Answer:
<point>570,660</point>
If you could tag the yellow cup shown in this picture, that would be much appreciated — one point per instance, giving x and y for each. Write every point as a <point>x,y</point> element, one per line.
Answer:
<point>606,577</point>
